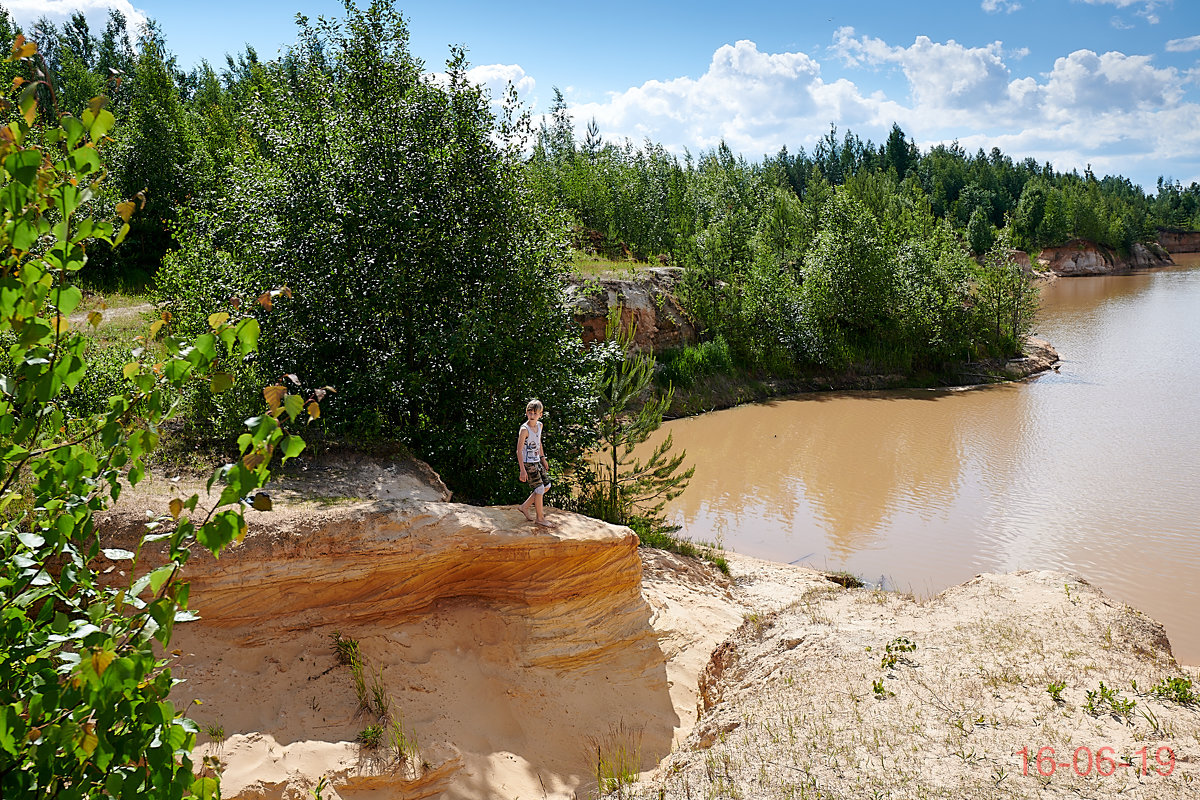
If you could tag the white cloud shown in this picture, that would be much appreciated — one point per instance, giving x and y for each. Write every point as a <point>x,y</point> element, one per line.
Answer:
<point>755,101</point>
<point>996,6</point>
<point>496,78</point>
<point>941,75</point>
<point>1184,45</point>
<point>1118,112</point>
<point>26,12</point>
<point>1098,84</point>
<point>1144,8</point>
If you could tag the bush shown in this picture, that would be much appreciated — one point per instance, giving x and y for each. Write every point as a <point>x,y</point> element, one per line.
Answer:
<point>84,692</point>
<point>428,283</point>
<point>684,367</point>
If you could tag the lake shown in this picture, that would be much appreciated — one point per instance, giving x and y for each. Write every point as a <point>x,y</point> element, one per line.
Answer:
<point>1093,469</point>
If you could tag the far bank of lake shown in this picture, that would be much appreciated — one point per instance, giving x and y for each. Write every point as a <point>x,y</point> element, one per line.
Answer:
<point>1093,469</point>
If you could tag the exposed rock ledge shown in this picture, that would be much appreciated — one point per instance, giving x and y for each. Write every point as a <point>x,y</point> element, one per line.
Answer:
<point>514,654</point>
<point>647,301</point>
<point>1080,257</point>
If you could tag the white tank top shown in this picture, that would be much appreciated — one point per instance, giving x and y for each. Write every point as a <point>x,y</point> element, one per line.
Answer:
<point>533,441</point>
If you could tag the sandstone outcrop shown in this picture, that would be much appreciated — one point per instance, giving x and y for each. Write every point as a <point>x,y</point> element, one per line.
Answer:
<point>503,649</point>
<point>1179,241</point>
<point>1079,257</point>
<point>647,301</point>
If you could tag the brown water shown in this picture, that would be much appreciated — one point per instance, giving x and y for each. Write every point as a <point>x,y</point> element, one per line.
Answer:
<point>1094,469</point>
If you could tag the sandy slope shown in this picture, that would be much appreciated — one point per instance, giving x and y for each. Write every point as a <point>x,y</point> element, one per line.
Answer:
<point>521,663</point>
<point>807,702</point>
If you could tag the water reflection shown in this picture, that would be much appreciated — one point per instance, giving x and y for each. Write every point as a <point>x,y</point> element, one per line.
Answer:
<point>1094,469</point>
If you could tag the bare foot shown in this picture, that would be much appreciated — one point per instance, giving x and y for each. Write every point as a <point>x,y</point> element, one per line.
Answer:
<point>525,512</point>
<point>546,523</point>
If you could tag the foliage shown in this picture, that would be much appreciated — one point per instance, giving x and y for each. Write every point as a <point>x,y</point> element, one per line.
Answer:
<point>685,366</point>
<point>1178,690</point>
<point>434,301</point>
<point>84,695</point>
<point>1007,300</point>
<point>629,487</point>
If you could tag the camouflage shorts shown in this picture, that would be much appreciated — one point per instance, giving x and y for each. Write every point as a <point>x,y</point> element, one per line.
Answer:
<point>537,475</point>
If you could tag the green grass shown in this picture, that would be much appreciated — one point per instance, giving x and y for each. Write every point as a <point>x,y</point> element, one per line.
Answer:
<point>370,736</point>
<point>664,538</point>
<point>597,265</point>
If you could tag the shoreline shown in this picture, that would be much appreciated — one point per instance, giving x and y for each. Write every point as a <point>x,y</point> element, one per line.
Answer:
<point>716,393</point>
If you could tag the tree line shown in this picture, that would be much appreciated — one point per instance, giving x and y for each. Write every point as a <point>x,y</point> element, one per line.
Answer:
<point>424,240</point>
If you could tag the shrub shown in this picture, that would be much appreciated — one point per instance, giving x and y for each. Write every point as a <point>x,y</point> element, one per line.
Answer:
<point>84,693</point>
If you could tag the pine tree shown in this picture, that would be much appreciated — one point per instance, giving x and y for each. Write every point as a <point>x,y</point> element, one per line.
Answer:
<point>631,489</point>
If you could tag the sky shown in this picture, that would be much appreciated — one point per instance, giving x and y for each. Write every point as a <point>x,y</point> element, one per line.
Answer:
<point>1114,84</point>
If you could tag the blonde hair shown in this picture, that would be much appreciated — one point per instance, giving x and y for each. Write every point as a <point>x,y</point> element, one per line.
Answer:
<point>533,405</point>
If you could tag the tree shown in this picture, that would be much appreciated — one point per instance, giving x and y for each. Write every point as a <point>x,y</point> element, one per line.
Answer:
<point>158,152</point>
<point>434,298</point>
<point>630,488</point>
<point>980,233</point>
<point>1007,299</point>
<point>849,286</point>
<point>84,693</point>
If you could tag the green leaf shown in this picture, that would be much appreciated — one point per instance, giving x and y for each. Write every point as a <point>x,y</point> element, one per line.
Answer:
<point>69,299</point>
<point>293,404</point>
<point>31,540</point>
<point>23,166</point>
<point>292,446</point>
<point>261,502</point>
<point>206,789</point>
<point>97,124</point>
<point>74,130</point>
<point>221,382</point>
<point>247,334</point>
<point>160,576</point>
<point>117,554</point>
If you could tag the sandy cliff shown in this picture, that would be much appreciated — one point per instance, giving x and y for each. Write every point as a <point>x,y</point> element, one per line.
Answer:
<point>503,649</point>
<point>519,662</point>
<point>1179,241</point>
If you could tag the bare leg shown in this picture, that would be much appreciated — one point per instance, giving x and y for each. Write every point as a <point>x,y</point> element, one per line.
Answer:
<point>541,514</point>
<point>524,507</point>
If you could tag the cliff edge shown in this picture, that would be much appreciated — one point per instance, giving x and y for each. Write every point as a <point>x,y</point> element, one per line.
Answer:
<point>500,660</point>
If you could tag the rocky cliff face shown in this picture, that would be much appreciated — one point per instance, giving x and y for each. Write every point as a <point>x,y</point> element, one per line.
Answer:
<point>647,301</point>
<point>1179,241</point>
<point>1080,257</point>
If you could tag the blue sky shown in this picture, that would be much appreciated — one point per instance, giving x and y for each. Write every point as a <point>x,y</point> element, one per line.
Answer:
<point>1111,83</point>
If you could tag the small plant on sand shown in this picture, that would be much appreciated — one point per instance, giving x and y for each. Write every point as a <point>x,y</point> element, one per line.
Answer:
<point>216,732</point>
<point>370,736</point>
<point>880,692</point>
<point>1107,700</point>
<point>847,579</point>
<point>894,652</point>
<point>359,677</point>
<point>404,742</point>
<point>1177,690</point>
<point>379,697</point>
<point>1055,692</point>
<point>756,623</point>
<point>345,649</point>
<point>618,758</point>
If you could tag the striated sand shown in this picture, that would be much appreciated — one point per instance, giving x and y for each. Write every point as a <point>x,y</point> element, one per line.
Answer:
<point>520,663</point>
